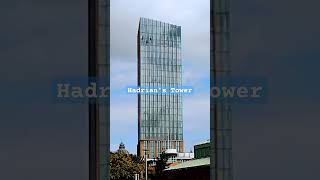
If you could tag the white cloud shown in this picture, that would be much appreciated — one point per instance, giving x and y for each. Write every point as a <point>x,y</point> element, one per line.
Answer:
<point>196,112</point>
<point>123,73</point>
<point>193,17</point>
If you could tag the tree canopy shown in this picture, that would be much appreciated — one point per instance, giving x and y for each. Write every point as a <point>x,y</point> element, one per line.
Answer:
<point>161,163</point>
<point>124,166</point>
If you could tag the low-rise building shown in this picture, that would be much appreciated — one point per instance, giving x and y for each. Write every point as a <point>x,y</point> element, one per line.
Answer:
<point>202,149</point>
<point>176,157</point>
<point>197,168</point>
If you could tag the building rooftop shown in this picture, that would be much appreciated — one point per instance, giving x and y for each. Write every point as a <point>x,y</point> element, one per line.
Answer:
<point>190,164</point>
<point>203,142</point>
<point>122,149</point>
<point>179,155</point>
<point>171,151</point>
<point>158,21</point>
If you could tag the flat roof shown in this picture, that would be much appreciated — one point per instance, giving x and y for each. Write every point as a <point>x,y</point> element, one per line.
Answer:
<point>190,164</point>
<point>203,142</point>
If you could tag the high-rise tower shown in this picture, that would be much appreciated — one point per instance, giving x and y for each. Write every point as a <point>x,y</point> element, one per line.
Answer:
<point>160,124</point>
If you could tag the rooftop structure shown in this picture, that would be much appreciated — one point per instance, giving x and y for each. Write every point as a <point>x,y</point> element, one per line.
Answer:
<point>122,149</point>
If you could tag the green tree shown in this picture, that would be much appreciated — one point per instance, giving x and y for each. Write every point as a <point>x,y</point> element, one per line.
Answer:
<point>124,166</point>
<point>161,164</point>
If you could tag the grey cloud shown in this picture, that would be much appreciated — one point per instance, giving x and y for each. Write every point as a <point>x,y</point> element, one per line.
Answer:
<point>194,20</point>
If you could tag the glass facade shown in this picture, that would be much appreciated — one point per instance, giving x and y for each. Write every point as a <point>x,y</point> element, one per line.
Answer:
<point>160,124</point>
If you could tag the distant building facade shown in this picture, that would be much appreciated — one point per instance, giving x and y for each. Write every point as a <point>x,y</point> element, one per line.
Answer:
<point>194,169</point>
<point>202,150</point>
<point>176,157</point>
<point>160,123</point>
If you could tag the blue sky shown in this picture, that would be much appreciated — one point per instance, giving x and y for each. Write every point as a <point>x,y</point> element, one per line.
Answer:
<point>195,57</point>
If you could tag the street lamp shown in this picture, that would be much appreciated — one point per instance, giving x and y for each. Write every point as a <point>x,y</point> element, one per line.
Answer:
<point>146,163</point>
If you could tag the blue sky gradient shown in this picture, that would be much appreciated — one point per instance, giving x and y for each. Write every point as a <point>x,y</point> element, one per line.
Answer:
<point>195,59</point>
